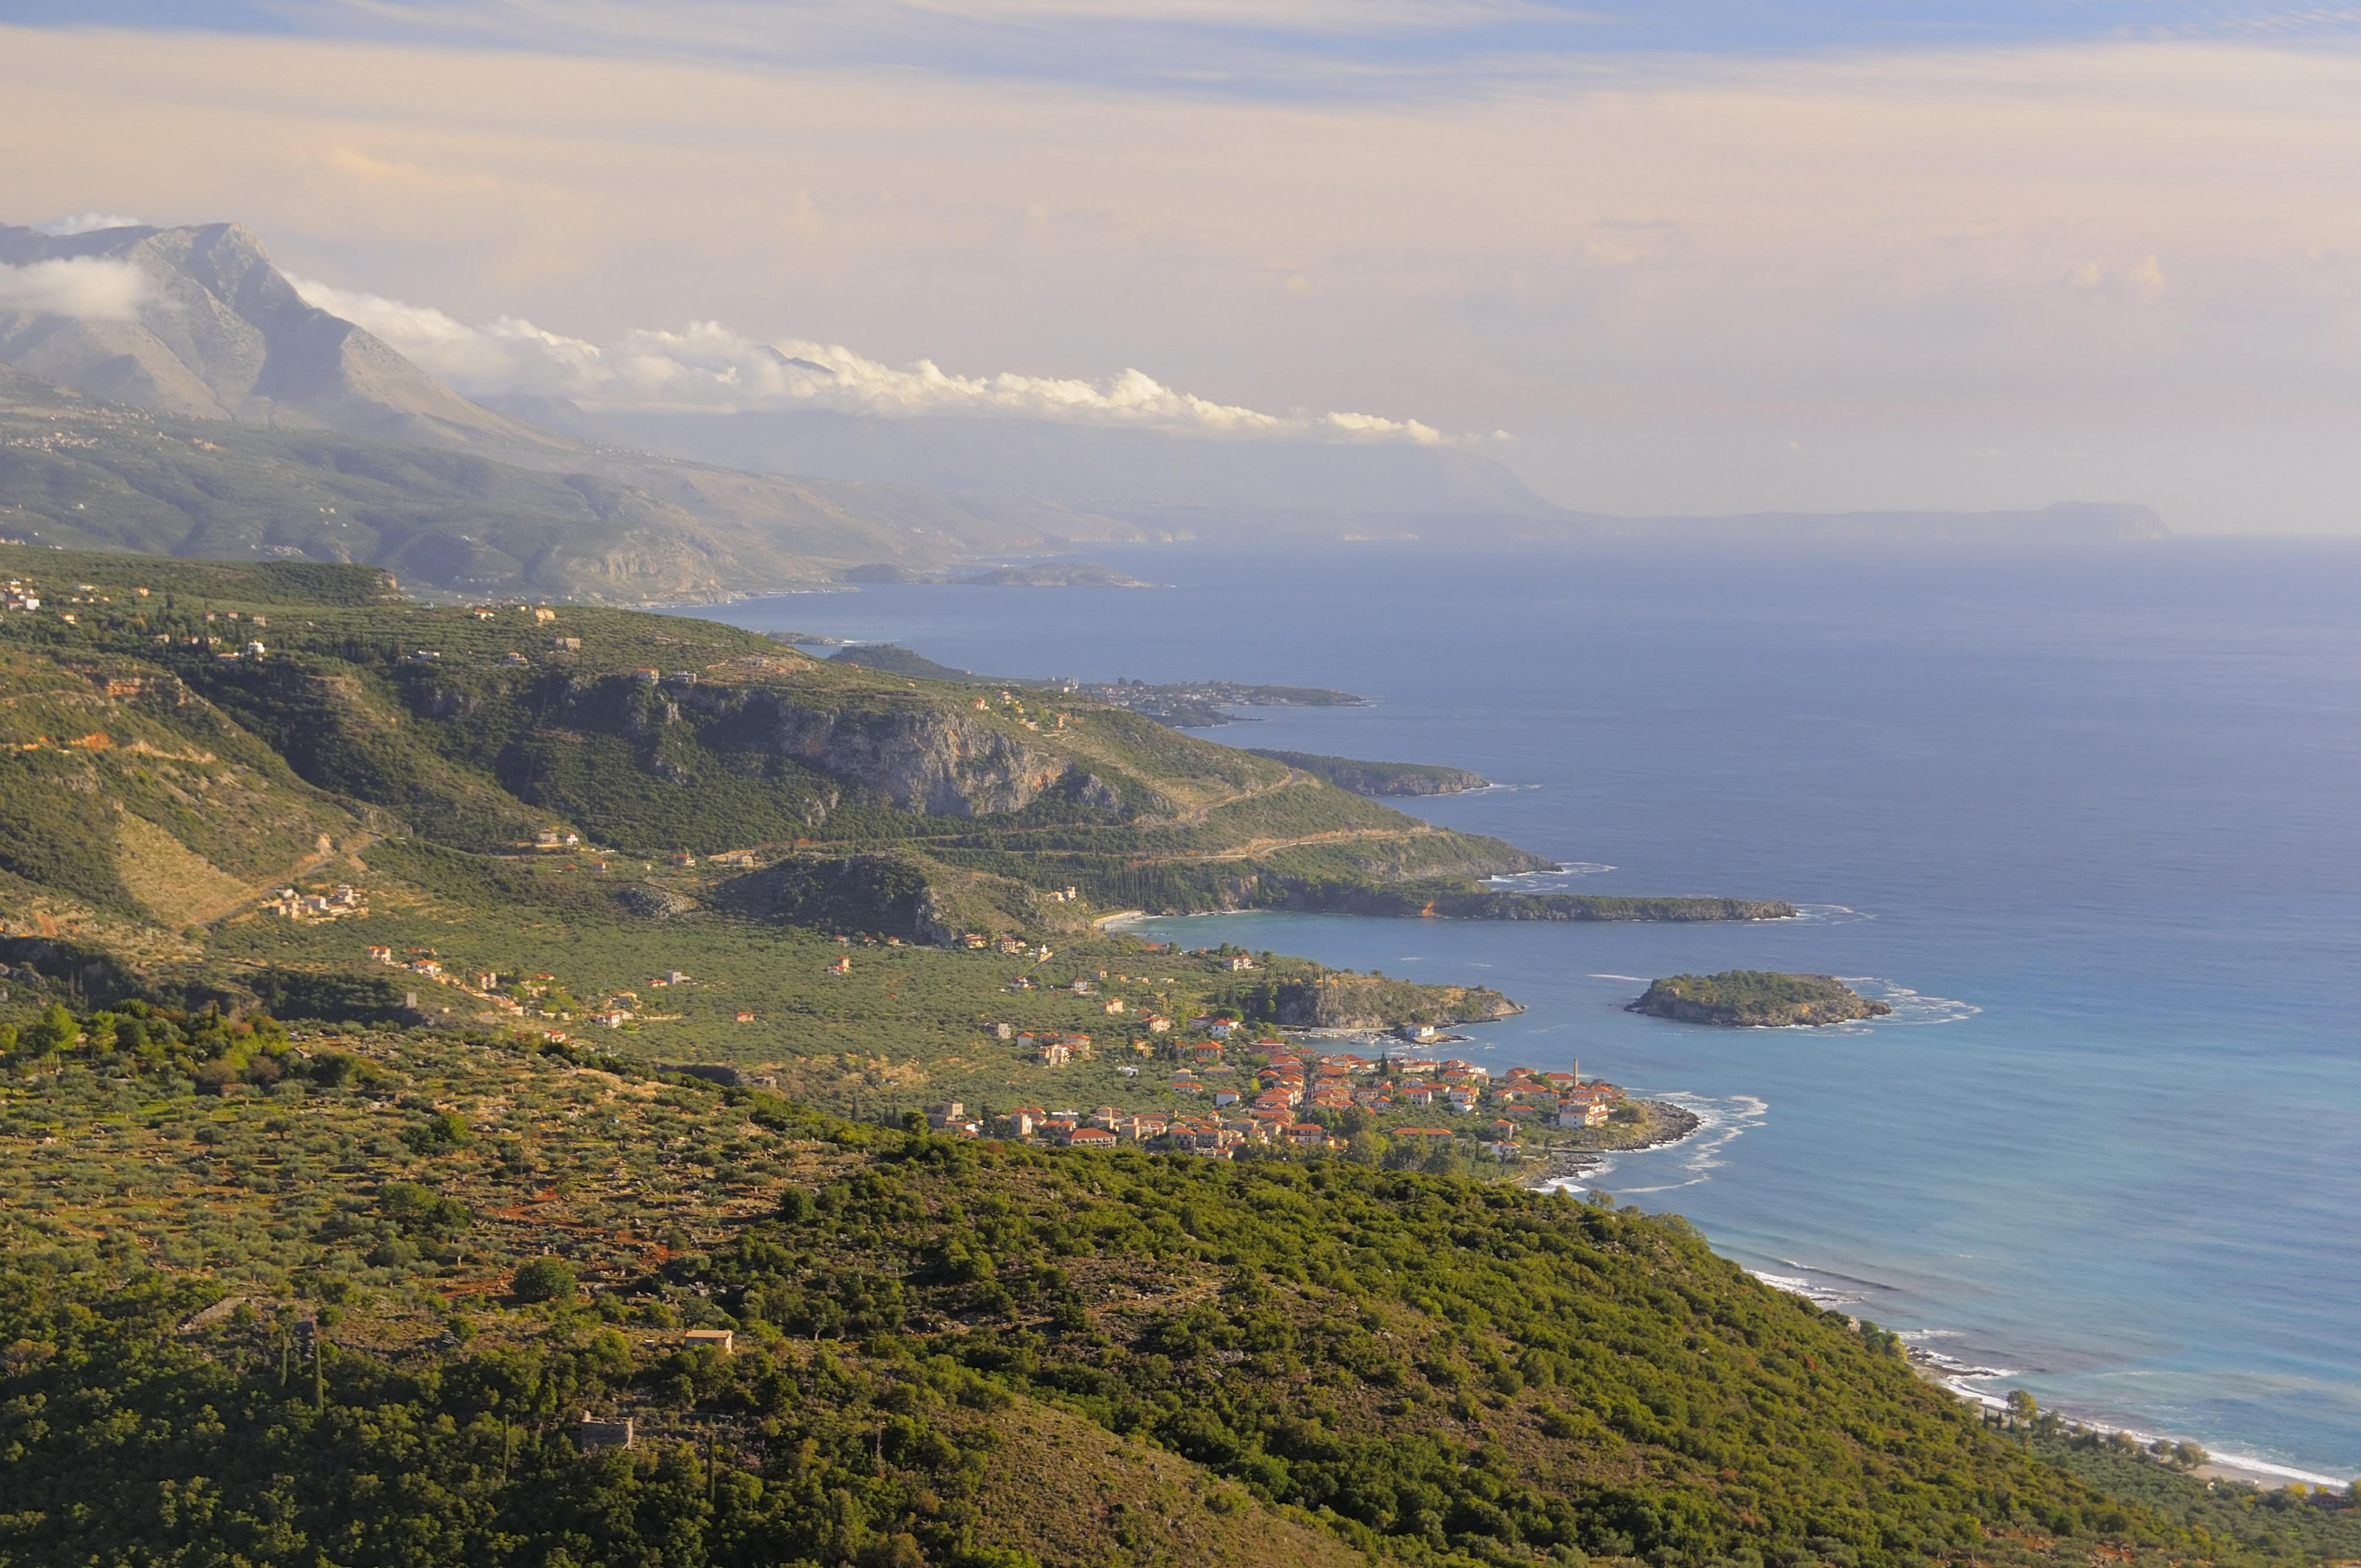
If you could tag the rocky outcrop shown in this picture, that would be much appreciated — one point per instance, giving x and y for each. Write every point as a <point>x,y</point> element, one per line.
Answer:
<point>1756,999</point>
<point>654,902</point>
<point>923,759</point>
<point>1375,1002</point>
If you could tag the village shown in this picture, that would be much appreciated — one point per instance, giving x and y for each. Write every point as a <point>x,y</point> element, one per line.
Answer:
<point>1285,1092</point>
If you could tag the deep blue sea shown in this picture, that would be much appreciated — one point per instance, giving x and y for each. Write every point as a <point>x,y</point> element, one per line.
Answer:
<point>2086,815</point>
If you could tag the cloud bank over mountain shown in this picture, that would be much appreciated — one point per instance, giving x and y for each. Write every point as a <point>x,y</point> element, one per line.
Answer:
<point>711,368</point>
<point>85,288</point>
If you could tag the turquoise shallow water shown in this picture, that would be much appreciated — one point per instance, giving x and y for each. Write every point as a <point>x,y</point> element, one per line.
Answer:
<point>2086,816</point>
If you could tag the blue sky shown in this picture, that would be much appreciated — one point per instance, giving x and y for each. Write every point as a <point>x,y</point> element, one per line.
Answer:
<point>1306,46</point>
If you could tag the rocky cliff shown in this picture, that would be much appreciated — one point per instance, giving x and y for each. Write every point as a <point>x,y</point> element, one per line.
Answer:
<point>923,758</point>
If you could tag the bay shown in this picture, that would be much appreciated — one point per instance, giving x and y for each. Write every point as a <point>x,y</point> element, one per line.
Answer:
<point>2085,815</point>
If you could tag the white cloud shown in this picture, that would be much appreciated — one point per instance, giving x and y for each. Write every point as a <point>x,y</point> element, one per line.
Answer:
<point>86,223</point>
<point>87,287</point>
<point>713,368</point>
<point>2142,279</point>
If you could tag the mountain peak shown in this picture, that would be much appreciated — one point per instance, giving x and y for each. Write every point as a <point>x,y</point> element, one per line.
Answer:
<point>196,320</point>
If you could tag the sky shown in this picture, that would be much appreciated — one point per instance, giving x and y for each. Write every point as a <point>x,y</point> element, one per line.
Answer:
<point>1658,258</point>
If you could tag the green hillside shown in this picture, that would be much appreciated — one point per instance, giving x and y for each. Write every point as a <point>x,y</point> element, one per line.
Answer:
<point>1756,999</point>
<point>356,1316</point>
<point>368,717</point>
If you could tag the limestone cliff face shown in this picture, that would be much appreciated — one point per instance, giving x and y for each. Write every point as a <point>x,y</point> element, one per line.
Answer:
<point>921,759</point>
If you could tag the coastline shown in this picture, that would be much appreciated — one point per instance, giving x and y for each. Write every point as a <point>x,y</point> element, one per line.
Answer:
<point>1667,1125</point>
<point>2237,1469</point>
<point>1797,1161</point>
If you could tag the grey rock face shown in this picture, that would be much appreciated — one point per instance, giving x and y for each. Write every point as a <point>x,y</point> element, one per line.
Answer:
<point>654,902</point>
<point>919,759</point>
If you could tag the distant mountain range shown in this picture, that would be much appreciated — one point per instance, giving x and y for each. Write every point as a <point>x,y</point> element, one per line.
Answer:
<point>167,390</point>
<point>1040,473</point>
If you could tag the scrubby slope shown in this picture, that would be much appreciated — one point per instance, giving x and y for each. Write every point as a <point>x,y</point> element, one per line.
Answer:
<point>120,785</point>
<point>945,1353</point>
<point>652,736</point>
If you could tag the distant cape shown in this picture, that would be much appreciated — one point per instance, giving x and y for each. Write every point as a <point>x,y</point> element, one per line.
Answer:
<point>2060,521</point>
<point>1116,484</point>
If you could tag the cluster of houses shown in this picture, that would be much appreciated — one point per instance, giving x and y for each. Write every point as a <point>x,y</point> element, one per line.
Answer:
<point>1059,1049</point>
<point>1279,1105</point>
<point>19,595</point>
<point>1107,1127</point>
<point>539,614</point>
<point>1297,1079</point>
<point>344,899</point>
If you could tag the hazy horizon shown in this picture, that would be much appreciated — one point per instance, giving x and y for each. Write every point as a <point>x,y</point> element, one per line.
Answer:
<point>1690,262</point>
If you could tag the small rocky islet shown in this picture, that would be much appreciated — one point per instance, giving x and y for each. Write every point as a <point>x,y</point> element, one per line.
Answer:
<point>1756,999</point>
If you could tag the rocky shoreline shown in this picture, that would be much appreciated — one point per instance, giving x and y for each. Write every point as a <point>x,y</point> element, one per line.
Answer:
<point>1666,1125</point>
<point>1677,1123</point>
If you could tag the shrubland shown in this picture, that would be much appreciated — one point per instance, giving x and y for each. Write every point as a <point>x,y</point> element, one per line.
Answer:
<point>358,1316</point>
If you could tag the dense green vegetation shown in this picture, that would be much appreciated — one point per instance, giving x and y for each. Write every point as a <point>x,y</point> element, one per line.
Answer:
<point>1447,897</point>
<point>1756,999</point>
<point>644,736</point>
<point>2289,1523</point>
<point>399,1342</point>
<point>899,660</point>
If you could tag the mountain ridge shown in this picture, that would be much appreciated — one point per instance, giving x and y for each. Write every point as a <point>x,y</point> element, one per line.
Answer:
<point>216,332</point>
<point>572,524</point>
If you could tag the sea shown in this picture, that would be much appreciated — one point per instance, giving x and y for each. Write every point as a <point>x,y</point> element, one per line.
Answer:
<point>2084,815</point>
